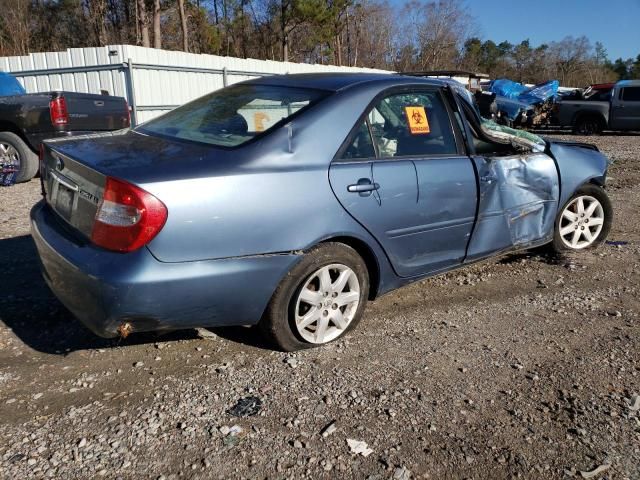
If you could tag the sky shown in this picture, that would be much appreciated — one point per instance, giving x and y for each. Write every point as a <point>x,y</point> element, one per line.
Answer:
<point>615,23</point>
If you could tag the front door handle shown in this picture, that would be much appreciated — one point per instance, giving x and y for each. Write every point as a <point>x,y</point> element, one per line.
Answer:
<point>364,185</point>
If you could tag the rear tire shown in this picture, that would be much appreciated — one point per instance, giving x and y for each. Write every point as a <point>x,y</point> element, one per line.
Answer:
<point>584,221</point>
<point>14,151</point>
<point>588,125</point>
<point>319,300</point>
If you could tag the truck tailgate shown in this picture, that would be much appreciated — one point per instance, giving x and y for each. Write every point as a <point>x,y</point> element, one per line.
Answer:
<point>95,112</point>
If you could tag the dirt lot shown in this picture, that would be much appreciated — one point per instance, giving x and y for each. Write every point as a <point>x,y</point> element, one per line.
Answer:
<point>524,366</point>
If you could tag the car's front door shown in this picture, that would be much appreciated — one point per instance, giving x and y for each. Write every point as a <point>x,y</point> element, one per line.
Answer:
<point>519,195</point>
<point>402,176</point>
<point>625,108</point>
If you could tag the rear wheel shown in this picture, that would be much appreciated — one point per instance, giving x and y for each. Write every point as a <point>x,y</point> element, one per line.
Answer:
<point>585,220</point>
<point>321,299</point>
<point>14,153</point>
<point>588,125</point>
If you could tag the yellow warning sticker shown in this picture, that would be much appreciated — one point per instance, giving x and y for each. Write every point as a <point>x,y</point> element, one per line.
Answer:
<point>417,119</point>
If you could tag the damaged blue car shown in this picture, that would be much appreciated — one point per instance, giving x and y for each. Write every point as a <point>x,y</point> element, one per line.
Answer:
<point>517,105</point>
<point>290,201</point>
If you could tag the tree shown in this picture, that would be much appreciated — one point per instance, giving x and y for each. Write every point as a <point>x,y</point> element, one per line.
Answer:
<point>143,22</point>
<point>157,33</point>
<point>183,25</point>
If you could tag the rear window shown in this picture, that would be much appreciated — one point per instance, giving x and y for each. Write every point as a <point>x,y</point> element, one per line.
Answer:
<point>233,116</point>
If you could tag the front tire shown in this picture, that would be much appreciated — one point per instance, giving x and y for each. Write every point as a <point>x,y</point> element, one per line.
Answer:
<point>15,153</point>
<point>584,221</point>
<point>320,300</point>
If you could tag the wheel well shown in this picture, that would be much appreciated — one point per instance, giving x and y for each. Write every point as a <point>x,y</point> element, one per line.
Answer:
<point>12,128</point>
<point>370,260</point>
<point>595,115</point>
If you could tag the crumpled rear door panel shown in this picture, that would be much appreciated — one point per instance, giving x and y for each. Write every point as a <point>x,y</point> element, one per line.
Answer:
<point>518,203</point>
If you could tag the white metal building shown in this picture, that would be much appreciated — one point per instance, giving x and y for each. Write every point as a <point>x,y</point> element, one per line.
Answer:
<point>153,81</point>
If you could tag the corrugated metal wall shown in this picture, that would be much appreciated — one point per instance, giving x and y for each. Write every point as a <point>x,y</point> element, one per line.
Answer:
<point>155,80</point>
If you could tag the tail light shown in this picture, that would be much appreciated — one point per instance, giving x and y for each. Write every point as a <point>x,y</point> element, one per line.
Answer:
<point>128,217</point>
<point>127,116</point>
<point>58,111</point>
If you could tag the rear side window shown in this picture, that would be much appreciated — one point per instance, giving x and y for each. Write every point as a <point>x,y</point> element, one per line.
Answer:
<point>414,124</point>
<point>631,94</point>
<point>233,116</point>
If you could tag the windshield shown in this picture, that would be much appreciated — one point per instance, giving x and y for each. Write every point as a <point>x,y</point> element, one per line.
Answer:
<point>234,115</point>
<point>9,85</point>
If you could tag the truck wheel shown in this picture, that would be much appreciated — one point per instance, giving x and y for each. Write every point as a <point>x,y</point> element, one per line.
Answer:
<point>15,153</point>
<point>588,125</point>
<point>584,221</point>
<point>319,300</point>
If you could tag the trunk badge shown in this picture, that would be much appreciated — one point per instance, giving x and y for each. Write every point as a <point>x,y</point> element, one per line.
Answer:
<point>59,164</point>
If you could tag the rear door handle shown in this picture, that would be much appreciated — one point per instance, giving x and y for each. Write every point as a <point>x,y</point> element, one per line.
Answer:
<point>363,185</point>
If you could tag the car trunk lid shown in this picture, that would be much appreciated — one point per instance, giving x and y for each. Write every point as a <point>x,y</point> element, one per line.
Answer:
<point>73,190</point>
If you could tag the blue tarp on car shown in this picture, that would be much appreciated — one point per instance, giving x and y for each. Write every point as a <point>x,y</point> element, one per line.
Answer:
<point>529,95</point>
<point>514,98</point>
<point>10,86</point>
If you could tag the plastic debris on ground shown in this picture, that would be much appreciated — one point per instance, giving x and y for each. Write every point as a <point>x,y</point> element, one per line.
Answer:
<point>329,429</point>
<point>246,407</point>
<point>616,243</point>
<point>231,435</point>
<point>359,447</point>
<point>8,174</point>
<point>595,472</point>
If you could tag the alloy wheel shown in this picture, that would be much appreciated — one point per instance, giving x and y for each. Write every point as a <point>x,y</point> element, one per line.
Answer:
<point>327,303</point>
<point>9,156</point>
<point>581,222</point>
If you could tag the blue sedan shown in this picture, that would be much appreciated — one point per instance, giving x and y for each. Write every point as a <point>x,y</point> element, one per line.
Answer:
<point>290,201</point>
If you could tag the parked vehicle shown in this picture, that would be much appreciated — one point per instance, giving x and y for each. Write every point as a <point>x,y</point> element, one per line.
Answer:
<point>604,107</point>
<point>289,201</point>
<point>27,119</point>
<point>520,106</point>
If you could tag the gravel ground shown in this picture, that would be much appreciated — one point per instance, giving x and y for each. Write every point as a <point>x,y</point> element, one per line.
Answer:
<point>523,366</point>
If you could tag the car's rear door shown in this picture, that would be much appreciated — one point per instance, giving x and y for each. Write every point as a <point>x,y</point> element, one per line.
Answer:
<point>625,108</point>
<point>403,176</point>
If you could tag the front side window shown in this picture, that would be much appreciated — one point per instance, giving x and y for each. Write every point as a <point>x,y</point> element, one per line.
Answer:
<point>414,124</point>
<point>631,94</point>
<point>232,116</point>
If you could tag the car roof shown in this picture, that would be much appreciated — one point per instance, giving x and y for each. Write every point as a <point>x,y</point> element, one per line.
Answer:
<point>340,81</point>
<point>628,83</point>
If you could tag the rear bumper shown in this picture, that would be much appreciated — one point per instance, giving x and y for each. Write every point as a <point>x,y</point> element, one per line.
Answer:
<point>105,289</point>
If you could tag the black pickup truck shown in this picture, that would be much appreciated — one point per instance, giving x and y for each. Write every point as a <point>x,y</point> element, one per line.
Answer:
<point>28,119</point>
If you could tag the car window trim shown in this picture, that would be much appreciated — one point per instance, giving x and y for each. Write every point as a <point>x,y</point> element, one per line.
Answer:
<point>338,157</point>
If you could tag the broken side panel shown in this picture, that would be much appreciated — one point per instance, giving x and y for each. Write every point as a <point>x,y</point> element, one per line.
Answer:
<point>518,203</point>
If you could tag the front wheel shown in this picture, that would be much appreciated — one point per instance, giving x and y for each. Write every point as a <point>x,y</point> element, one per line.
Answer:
<point>584,221</point>
<point>321,298</point>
